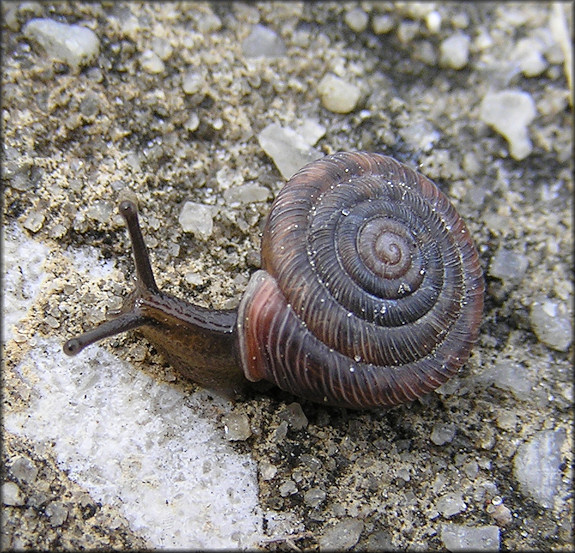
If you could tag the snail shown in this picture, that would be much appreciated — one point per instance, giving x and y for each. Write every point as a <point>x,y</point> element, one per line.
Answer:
<point>370,293</point>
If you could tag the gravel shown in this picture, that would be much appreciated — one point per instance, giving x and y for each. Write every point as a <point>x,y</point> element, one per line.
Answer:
<point>288,149</point>
<point>454,51</point>
<point>197,219</point>
<point>510,112</point>
<point>337,94</point>
<point>458,537</point>
<point>263,42</point>
<point>551,324</point>
<point>536,465</point>
<point>73,44</point>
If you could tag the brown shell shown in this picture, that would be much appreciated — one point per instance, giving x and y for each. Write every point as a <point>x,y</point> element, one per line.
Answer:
<point>371,292</point>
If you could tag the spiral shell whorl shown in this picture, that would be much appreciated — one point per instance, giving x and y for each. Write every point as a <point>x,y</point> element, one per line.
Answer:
<point>371,285</point>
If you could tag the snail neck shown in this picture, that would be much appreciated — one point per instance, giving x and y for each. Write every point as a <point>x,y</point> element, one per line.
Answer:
<point>199,342</point>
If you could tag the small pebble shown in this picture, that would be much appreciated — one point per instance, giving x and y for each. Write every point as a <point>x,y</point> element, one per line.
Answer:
<point>236,427</point>
<point>507,374</point>
<point>194,279</point>
<point>267,470</point>
<point>314,497</point>
<point>341,536</point>
<point>192,82</point>
<point>192,123</point>
<point>433,21</point>
<point>421,135</point>
<point>551,327</point>
<point>382,23</point>
<point>248,193</point>
<point>263,42</point>
<point>288,150</point>
<point>338,95</point>
<point>537,465</point>
<point>151,62</point>
<point>507,421</point>
<point>508,265</point>
<point>509,112</point>
<point>502,515</point>
<point>460,537</point>
<point>311,131</point>
<point>208,23</point>
<point>57,513</point>
<point>280,432</point>
<point>24,470</point>
<point>451,504</point>
<point>162,48</point>
<point>529,56</point>
<point>71,44</point>
<point>454,51</point>
<point>197,219</point>
<point>100,210</point>
<point>34,222</point>
<point>295,417</point>
<point>90,105</point>
<point>356,19</point>
<point>471,469</point>
<point>288,488</point>
<point>442,433</point>
<point>11,494</point>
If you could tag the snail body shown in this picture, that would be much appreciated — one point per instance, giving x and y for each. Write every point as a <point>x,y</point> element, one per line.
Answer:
<point>370,292</point>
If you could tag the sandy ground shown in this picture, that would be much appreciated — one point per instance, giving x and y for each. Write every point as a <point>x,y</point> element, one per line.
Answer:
<point>84,463</point>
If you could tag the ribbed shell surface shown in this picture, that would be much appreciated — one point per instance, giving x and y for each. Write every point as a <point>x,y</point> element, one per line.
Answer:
<point>371,291</point>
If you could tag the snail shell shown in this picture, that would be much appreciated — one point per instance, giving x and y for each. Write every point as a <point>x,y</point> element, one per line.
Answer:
<point>371,291</point>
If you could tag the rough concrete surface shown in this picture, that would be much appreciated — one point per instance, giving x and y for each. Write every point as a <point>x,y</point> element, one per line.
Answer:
<point>165,103</point>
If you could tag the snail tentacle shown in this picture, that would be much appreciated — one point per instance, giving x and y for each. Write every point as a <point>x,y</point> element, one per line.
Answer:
<point>198,341</point>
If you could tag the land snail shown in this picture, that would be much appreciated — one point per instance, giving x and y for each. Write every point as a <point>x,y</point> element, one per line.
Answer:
<point>370,293</point>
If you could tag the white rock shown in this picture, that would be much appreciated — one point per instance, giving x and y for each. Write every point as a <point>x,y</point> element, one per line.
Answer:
<point>192,82</point>
<point>382,23</point>
<point>288,150</point>
<point>72,44</point>
<point>442,433</point>
<point>341,536</point>
<point>536,465</point>
<point>311,131</point>
<point>314,497</point>
<point>338,95</point>
<point>433,21</point>
<point>459,537</point>
<point>528,53</point>
<point>509,112</point>
<point>451,504</point>
<point>162,48</point>
<point>197,219</point>
<point>356,19</point>
<point>551,327</point>
<point>508,265</point>
<point>263,42</point>
<point>23,469</point>
<point>454,51</point>
<point>422,135</point>
<point>151,62</point>
<point>236,427</point>
<point>248,193</point>
<point>11,494</point>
